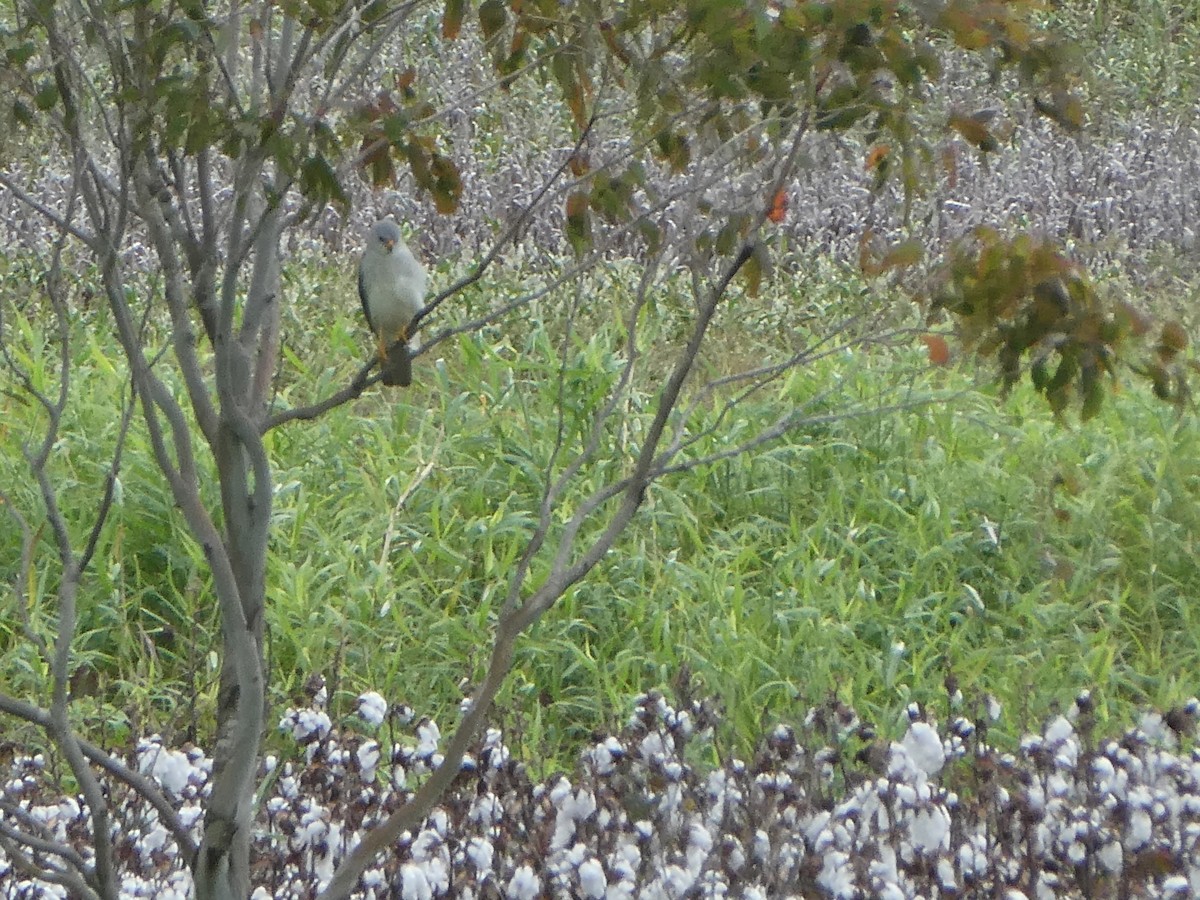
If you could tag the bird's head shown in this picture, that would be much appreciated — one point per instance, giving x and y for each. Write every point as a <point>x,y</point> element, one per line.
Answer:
<point>387,233</point>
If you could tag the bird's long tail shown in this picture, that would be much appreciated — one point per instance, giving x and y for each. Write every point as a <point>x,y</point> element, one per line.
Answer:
<point>397,368</point>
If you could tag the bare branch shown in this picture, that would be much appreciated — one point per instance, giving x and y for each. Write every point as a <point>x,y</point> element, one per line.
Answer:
<point>183,335</point>
<point>46,212</point>
<point>353,391</point>
<point>43,841</point>
<point>101,758</point>
<point>516,620</point>
<point>72,882</point>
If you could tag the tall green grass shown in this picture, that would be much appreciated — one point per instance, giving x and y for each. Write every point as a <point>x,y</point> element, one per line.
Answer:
<point>866,557</point>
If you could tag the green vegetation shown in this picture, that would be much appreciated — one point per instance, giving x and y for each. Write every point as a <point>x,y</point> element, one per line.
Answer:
<point>866,556</point>
<point>1140,53</point>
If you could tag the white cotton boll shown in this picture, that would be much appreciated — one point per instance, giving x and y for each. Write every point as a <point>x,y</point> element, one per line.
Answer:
<point>677,881</point>
<point>592,881</point>
<point>906,795</point>
<point>437,872</point>
<point>580,805</point>
<point>564,831</point>
<point>439,821</point>
<point>884,868</point>
<point>1058,730</point>
<point>837,875</point>
<point>654,746</point>
<point>620,890</point>
<point>524,884</point>
<point>924,747</point>
<point>427,844</point>
<point>816,826</point>
<point>486,809</point>
<point>373,879</point>
<point>945,875</point>
<point>372,707</point>
<point>604,756</point>
<point>413,883</point>
<point>1140,828</point>
<point>735,854</point>
<point>170,768</point>
<point>1155,728</point>
<point>560,792</point>
<point>930,829</point>
<point>481,853</point>
<point>428,737</point>
<point>1175,886</point>
<point>154,839</point>
<point>762,846</point>
<point>1110,856</point>
<point>993,708</point>
<point>368,759</point>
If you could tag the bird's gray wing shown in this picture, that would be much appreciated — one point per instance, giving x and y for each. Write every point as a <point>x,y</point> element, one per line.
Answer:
<point>362,296</point>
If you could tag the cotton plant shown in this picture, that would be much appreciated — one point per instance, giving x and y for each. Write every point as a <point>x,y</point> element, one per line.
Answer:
<point>823,808</point>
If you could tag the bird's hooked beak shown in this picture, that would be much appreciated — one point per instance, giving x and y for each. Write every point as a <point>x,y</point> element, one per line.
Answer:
<point>388,244</point>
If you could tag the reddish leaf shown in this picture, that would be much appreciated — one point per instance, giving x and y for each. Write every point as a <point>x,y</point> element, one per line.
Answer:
<point>779,204</point>
<point>939,350</point>
<point>377,159</point>
<point>610,38</point>
<point>1062,108</point>
<point>452,19</point>
<point>975,130</point>
<point>876,155</point>
<point>950,165</point>
<point>578,164</point>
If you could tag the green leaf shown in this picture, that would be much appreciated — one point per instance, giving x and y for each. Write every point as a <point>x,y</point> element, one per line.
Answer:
<point>22,113</point>
<point>19,55</point>
<point>47,96</point>
<point>447,184</point>
<point>579,228</point>
<point>452,19</point>
<point>492,17</point>
<point>319,183</point>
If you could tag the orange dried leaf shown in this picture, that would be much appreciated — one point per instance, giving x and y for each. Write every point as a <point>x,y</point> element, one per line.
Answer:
<point>876,155</point>
<point>578,164</point>
<point>779,204</point>
<point>939,350</point>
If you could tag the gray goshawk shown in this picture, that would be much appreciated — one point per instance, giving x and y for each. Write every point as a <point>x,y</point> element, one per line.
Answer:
<point>391,286</point>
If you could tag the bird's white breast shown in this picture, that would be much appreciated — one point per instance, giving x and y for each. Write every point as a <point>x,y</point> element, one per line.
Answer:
<point>395,288</point>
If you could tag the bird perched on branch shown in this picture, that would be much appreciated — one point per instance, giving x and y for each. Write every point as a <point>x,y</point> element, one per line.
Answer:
<point>391,286</point>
